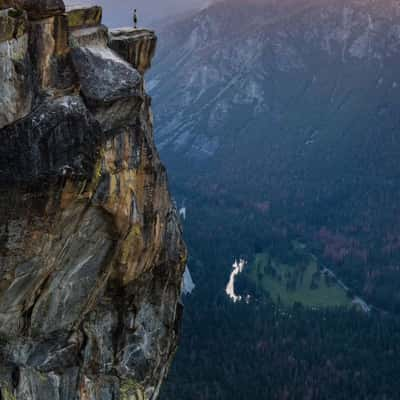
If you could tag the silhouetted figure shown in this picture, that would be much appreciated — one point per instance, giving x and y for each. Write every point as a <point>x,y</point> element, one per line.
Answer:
<point>135,19</point>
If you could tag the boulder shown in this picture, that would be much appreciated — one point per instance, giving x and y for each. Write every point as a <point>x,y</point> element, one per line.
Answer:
<point>118,79</point>
<point>117,96</point>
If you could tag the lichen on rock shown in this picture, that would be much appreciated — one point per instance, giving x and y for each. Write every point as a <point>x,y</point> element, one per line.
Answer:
<point>91,250</point>
<point>81,16</point>
<point>130,390</point>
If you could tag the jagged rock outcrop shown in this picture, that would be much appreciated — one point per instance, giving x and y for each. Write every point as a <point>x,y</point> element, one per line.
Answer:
<point>83,17</point>
<point>91,254</point>
<point>135,46</point>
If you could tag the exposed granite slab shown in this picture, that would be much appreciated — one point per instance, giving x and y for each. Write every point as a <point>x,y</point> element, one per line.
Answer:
<point>94,36</point>
<point>83,16</point>
<point>136,46</point>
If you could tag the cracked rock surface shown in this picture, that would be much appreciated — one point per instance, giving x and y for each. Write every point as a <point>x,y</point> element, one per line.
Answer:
<point>91,250</point>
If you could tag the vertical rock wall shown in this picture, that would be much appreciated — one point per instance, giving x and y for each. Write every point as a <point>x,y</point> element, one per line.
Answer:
<point>91,254</point>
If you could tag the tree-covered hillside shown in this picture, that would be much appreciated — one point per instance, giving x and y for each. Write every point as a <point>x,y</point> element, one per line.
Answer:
<point>279,123</point>
<point>289,111</point>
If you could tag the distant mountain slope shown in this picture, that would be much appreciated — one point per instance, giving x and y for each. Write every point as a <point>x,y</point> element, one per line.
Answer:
<point>291,110</point>
<point>267,62</point>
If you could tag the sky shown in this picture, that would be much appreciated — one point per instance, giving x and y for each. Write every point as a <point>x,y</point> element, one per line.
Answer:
<point>118,13</point>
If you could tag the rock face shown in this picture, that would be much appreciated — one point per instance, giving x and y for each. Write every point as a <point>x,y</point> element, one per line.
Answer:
<point>83,16</point>
<point>91,254</point>
<point>38,9</point>
<point>137,46</point>
<point>15,70</point>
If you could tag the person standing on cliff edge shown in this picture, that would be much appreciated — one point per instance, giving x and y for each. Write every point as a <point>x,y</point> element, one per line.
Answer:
<point>135,19</point>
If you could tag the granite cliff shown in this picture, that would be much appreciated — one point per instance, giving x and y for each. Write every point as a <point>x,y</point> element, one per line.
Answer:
<point>91,254</point>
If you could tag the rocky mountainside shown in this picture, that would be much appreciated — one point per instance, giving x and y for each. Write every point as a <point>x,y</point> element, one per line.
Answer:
<point>266,61</point>
<point>287,112</point>
<point>91,254</point>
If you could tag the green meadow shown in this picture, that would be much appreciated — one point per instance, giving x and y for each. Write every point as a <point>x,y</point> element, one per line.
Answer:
<point>296,283</point>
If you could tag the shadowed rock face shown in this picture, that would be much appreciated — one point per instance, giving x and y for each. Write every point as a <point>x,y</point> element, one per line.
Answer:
<point>42,8</point>
<point>91,254</point>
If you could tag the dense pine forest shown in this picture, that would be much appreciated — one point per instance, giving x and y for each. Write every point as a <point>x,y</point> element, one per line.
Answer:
<point>263,351</point>
<point>267,349</point>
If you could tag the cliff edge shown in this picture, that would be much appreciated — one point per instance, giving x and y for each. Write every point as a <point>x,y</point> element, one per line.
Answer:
<point>91,253</point>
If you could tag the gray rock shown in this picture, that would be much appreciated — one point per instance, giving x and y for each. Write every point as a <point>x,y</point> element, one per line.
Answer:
<point>118,79</point>
<point>118,95</point>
